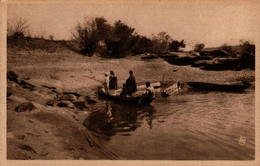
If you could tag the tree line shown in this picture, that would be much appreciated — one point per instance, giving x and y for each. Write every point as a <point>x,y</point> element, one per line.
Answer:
<point>119,39</point>
<point>97,36</point>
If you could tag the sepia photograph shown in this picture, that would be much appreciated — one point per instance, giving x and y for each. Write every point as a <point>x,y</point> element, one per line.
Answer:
<point>118,80</point>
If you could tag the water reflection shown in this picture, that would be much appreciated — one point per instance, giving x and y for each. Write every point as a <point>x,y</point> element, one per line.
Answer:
<point>201,126</point>
<point>119,118</point>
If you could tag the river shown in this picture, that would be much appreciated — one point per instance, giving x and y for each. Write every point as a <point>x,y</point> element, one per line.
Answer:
<point>190,126</point>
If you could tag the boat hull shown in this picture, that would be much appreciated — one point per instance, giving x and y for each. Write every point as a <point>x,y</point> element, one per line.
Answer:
<point>139,100</point>
<point>235,87</point>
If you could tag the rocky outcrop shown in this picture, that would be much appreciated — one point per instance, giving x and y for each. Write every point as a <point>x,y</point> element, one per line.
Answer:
<point>67,104</point>
<point>201,63</point>
<point>51,117</point>
<point>28,106</point>
<point>222,64</point>
<point>52,96</point>
<point>50,103</point>
<point>12,76</point>
<point>68,97</point>
<point>72,93</point>
<point>216,60</point>
<point>26,85</point>
<point>90,100</point>
<point>185,60</point>
<point>9,92</point>
<point>81,105</point>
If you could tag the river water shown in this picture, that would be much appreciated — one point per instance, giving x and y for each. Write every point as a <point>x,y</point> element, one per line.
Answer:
<point>191,126</point>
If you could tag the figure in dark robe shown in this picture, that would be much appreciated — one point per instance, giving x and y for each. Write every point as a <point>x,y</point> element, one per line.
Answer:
<point>131,86</point>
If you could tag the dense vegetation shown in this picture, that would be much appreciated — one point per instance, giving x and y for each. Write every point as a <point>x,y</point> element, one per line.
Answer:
<point>119,39</point>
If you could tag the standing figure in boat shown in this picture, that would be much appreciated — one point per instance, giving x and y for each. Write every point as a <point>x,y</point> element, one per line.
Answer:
<point>112,83</point>
<point>131,84</point>
<point>149,91</point>
<point>106,82</point>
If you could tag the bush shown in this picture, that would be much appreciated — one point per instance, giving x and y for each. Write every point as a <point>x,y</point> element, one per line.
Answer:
<point>17,28</point>
<point>97,36</point>
<point>175,45</point>
<point>199,47</point>
<point>119,40</point>
<point>88,34</point>
<point>160,43</point>
<point>141,44</point>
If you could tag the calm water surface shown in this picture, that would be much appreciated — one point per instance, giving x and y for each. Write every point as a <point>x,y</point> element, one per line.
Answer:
<point>192,126</point>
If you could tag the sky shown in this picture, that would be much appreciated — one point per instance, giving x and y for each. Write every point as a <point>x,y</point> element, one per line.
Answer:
<point>213,23</point>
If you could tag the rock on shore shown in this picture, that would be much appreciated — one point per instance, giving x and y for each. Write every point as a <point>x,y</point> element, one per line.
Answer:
<point>36,130</point>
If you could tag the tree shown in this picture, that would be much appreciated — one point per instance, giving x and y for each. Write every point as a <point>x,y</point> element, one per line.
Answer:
<point>164,37</point>
<point>175,45</point>
<point>98,36</point>
<point>17,28</point>
<point>198,47</point>
<point>160,43</point>
<point>90,33</point>
<point>141,44</point>
<point>122,31</point>
<point>121,41</point>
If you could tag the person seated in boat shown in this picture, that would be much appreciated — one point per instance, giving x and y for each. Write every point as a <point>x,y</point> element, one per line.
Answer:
<point>149,91</point>
<point>112,83</point>
<point>131,86</point>
<point>106,82</point>
<point>123,92</point>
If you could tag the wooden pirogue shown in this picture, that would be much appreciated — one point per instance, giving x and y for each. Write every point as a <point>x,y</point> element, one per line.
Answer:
<point>135,99</point>
<point>227,87</point>
<point>138,98</point>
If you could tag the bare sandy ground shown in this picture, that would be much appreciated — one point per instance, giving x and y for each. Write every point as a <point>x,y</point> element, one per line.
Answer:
<point>58,133</point>
<point>69,70</point>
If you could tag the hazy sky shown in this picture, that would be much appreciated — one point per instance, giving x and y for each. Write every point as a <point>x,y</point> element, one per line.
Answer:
<point>212,23</point>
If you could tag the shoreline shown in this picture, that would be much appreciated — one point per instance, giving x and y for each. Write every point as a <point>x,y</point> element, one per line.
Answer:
<point>61,129</point>
<point>48,132</point>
